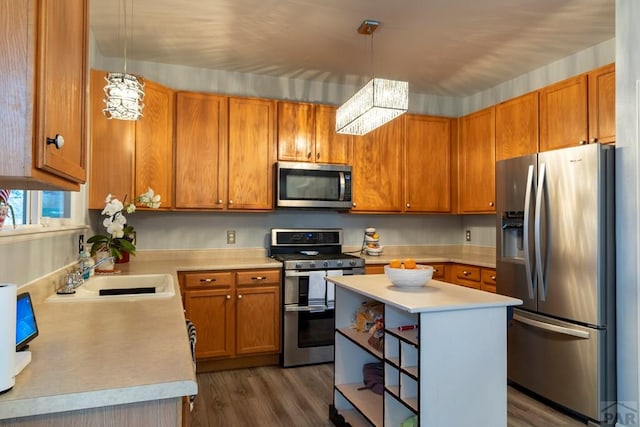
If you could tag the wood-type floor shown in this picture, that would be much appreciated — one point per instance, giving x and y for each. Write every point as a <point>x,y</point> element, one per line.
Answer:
<point>296,397</point>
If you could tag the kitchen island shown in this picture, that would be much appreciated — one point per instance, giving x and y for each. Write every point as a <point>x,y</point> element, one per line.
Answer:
<point>451,370</point>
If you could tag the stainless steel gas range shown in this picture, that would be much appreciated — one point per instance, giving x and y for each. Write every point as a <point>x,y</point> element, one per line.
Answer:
<point>308,256</point>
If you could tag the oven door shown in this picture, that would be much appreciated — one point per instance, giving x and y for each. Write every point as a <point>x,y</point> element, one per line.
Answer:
<point>308,335</point>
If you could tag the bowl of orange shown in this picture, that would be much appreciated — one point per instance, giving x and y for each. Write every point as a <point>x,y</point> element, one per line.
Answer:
<point>408,274</point>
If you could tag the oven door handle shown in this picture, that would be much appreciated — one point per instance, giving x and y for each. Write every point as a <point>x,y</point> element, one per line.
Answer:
<point>293,273</point>
<point>308,308</point>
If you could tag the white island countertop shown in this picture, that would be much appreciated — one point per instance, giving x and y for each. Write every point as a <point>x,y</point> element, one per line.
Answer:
<point>435,296</point>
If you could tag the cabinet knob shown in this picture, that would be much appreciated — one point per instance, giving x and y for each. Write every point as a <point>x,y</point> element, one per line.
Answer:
<point>318,156</point>
<point>258,278</point>
<point>228,296</point>
<point>353,204</point>
<point>582,142</point>
<point>207,280</point>
<point>594,139</point>
<point>435,270</point>
<point>493,277</point>
<point>219,201</point>
<point>408,205</point>
<point>466,273</point>
<point>58,141</point>
<point>230,202</point>
<point>239,296</point>
<point>491,204</point>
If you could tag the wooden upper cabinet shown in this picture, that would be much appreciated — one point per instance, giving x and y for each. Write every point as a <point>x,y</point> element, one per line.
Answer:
<point>112,149</point>
<point>296,132</point>
<point>154,144</point>
<point>602,104</point>
<point>517,127</point>
<point>44,86</point>
<point>427,164</point>
<point>377,169</point>
<point>563,114</point>
<point>201,146</point>
<point>331,147</point>
<point>306,133</point>
<point>252,153</point>
<point>477,162</point>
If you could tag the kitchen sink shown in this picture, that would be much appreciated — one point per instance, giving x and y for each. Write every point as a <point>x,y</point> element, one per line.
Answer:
<point>133,286</point>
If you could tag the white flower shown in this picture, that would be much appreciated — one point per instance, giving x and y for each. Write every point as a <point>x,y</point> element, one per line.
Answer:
<point>131,208</point>
<point>150,199</point>
<point>116,229</point>
<point>113,207</point>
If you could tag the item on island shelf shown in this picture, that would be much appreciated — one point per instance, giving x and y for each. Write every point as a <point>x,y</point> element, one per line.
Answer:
<point>7,335</point>
<point>367,313</point>
<point>373,377</point>
<point>371,243</point>
<point>376,338</point>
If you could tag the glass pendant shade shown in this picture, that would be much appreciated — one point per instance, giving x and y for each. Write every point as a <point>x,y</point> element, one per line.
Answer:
<point>377,103</point>
<point>124,96</point>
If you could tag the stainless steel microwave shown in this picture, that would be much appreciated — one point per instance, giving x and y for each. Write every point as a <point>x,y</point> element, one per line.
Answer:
<point>313,185</point>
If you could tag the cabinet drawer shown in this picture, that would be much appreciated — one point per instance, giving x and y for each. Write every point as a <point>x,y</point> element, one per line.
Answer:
<point>208,279</point>
<point>488,280</point>
<point>438,271</point>
<point>258,277</point>
<point>374,269</point>
<point>466,275</point>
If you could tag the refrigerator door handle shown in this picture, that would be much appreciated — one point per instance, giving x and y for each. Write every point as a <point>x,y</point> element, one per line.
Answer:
<point>525,233</point>
<point>552,328</point>
<point>537,232</point>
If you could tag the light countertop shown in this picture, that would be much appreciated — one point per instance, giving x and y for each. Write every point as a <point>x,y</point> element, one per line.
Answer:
<point>478,256</point>
<point>436,296</point>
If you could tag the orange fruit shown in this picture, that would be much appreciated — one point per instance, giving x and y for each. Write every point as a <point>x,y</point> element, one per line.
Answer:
<point>395,263</point>
<point>409,263</point>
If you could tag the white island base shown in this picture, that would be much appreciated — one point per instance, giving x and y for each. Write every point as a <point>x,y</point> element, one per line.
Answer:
<point>451,370</point>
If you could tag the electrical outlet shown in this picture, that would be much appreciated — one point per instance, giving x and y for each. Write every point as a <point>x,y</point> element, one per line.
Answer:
<point>231,237</point>
<point>80,243</point>
<point>467,235</point>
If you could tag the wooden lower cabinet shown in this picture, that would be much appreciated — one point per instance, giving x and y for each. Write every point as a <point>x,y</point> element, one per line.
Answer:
<point>374,269</point>
<point>236,314</point>
<point>474,277</point>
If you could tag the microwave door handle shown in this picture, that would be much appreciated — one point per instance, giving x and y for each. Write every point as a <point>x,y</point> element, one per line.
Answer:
<point>343,186</point>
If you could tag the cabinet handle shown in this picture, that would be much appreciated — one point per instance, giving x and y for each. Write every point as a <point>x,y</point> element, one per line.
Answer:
<point>228,296</point>
<point>239,296</point>
<point>493,277</point>
<point>259,278</point>
<point>594,139</point>
<point>230,202</point>
<point>582,142</point>
<point>58,141</point>
<point>219,201</point>
<point>318,156</point>
<point>491,204</point>
<point>435,270</point>
<point>353,204</point>
<point>408,205</point>
<point>466,273</point>
<point>207,280</point>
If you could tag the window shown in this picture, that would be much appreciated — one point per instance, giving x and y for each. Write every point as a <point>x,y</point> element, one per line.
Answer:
<point>30,206</point>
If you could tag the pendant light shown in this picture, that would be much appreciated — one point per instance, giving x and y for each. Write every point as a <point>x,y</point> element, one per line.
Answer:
<point>377,103</point>
<point>124,93</point>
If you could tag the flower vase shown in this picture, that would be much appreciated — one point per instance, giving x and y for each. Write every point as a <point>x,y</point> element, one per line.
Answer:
<point>3,214</point>
<point>106,266</point>
<point>124,259</point>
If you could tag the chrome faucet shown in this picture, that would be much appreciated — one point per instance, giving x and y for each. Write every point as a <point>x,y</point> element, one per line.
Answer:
<point>76,279</point>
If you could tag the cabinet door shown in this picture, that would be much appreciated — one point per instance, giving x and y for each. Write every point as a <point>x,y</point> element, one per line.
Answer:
<point>517,127</point>
<point>201,136</point>
<point>428,164</point>
<point>477,162</point>
<point>112,149</point>
<point>257,319</point>
<point>377,169</point>
<point>563,114</point>
<point>488,280</point>
<point>212,313</point>
<point>62,87</point>
<point>252,152</point>
<point>331,147</point>
<point>602,104</point>
<point>154,144</point>
<point>296,132</point>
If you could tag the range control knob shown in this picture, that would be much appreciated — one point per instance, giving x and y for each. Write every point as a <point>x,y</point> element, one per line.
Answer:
<point>339,263</point>
<point>325,263</point>
<point>298,265</point>
<point>312,265</point>
<point>352,263</point>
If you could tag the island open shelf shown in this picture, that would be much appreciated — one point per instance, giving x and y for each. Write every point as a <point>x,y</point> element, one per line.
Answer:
<point>455,357</point>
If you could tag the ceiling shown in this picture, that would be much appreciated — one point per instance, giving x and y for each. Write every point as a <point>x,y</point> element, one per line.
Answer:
<point>442,47</point>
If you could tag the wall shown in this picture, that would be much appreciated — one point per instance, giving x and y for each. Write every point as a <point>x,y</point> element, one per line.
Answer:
<point>627,211</point>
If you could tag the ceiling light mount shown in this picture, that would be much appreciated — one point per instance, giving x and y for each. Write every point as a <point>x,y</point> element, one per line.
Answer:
<point>377,103</point>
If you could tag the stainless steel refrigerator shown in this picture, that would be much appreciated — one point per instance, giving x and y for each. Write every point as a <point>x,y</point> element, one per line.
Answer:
<point>555,250</point>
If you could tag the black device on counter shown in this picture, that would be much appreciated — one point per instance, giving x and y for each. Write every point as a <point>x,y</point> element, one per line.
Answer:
<point>26,326</point>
